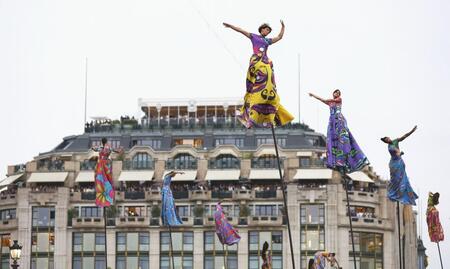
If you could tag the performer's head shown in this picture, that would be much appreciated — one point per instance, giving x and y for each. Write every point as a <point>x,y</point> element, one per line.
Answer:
<point>104,141</point>
<point>264,29</point>
<point>311,264</point>
<point>386,140</point>
<point>337,93</point>
<point>436,198</point>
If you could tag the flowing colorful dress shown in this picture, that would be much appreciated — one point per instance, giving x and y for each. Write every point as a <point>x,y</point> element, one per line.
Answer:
<point>435,230</point>
<point>169,212</point>
<point>261,102</point>
<point>103,178</point>
<point>320,259</point>
<point>343,152</point>
<point>225,232</point>
<point>399,188</point>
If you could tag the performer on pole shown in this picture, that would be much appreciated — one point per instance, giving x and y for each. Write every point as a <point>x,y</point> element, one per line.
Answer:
<point>343,152</point>
<point>320,260</point>
<point>262,106</point>
<point>169,214</point>
<point>435,230</point>
<point>261,102</point>
<point>399,188</point>
<point>104,187</point>
<point>266,257</point>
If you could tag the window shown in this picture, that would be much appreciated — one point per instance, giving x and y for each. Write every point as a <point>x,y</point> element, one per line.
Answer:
<point>183,244</point>
<point>281,141</point>
<point>182,161</point>
<point>88,250</point>
<point>266,161</point>
<point>153,143</point>
<point>256,241</point>
<point>267,210</point>
<point>369,250</point>
<point>215,252</point>
<point>312,230</point>
<point>114,143</point>
<point>140,161</point>
<point>91,212</point>
<point>132,250</point>
<point>42,237</point>
<point>224,161</point>
<point>183,211</point>
<point>7,214</point>
<point>238,142</point>
<point>5,240</point>
<point>305,162</point>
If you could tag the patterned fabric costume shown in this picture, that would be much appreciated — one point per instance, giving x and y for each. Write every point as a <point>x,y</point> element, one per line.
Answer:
<point>267,259</point>
<point>226,233</point>
<point>399,188</point>
<point>343,153</point>
<point>320,261</point>
<point>434,224</point>
<point>169,212</point>
<point>103,178</point>
<point>261,102</point>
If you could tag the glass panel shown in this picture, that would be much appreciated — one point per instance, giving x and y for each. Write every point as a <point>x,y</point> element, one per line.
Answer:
<point>132,262</point>
<point>88,242</point>
<point>143,262</point>
<point>218,262</point>
<point>253,262</point>
<point>187,262</point>
<point>144,242</point>
<point>132,242</point>
<point>100,262</point>
<point>164,263</point>
<point>88,262</point>
<point>209,262</point>
<point>277,262</point>
<point>43,243</point>
<point>42,263</point>
<point>121,262</point>
<point>177,242</point>
<point>76,263</point>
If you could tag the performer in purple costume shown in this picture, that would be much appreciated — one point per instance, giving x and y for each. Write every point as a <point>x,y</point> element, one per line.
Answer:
<point>225,232</point>
<point>343,153</point>
<point>169,212</point>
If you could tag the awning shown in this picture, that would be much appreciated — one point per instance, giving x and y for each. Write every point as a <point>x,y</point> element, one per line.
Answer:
<point>304,154</point>
<point>136,175</point>
<point>10,180</point>
<point>228,174</point>
<point>48,177</point>
<point>189,175</point>
<point>360,176</point>
<point>85,176</point>
<point>313,174</point>
<point>264,174</point>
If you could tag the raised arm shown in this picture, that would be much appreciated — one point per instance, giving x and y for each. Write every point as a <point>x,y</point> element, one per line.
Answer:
<point>408,134</point>
<point>280,35</point>
<point>237,29</point>
<point>319,98</point>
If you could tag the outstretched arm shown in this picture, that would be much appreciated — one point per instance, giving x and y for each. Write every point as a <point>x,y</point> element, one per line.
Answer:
<point>408,134</point>
<point>237,29</point>
<point>280,35</point>
<point>319,98</point>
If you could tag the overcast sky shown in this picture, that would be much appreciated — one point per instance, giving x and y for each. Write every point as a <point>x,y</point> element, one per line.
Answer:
<point>391,59</point>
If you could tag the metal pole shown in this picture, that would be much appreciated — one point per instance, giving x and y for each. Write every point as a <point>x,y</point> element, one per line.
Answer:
<point>224,257</point>
<point>171,249</point>
<point>284,189</point>
<point>299,91</point>
<point>106,245</point>
<point>350,219</point>
<point>399,239</point>
<point>440,257</point>
<point>85,91</point>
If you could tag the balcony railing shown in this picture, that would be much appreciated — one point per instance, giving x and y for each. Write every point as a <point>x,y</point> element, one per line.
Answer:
<point>180,194</point>
<point>265,194</point>
<point>46,165</point>
<point>89,196</point>
<point>87,165</point>
<point>135,195</point>
<point>221,194</point>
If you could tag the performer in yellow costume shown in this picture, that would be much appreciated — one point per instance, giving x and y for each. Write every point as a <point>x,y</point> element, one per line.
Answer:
<point>261,102</point>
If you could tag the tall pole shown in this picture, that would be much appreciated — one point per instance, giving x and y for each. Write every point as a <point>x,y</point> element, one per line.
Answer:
<point>85,91</point>
<point>440,257</point>
<point>284,189</point>
<point>171,249</point>
<point>299,91</point>
<point>399,237</point>
<point>224,257</point>
<point>106,245</point>
<point>350,219</point>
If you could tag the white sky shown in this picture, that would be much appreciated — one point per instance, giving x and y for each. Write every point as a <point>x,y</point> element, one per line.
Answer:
<point>391,59</point>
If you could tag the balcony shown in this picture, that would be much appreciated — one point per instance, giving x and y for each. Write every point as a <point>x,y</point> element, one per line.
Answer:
<point>131,222</point>
<point>222,194</point>
<point>50,166</point>
<point>8,199</point>
<point>200,195</point>
<point>87,165</point>
<point>180,194</point>
<point>368,223</point>
<point>88,222</point>
<point>138,165</point>
<point>242,194</point>
<point>134,195</point>
<point>265,194</point>
<point>265,221</point>
<point>82,196</point>
<point>363,196</point>
<point>8,224</point>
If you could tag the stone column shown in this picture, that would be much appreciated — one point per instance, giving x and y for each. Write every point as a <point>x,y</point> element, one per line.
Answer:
<point>154,248</point>
<point>24,226</point>
<point>111,245</point>
<point>198,249</point>
<point>243,249</point>
<point>61,253</point>
<point>294,220</point>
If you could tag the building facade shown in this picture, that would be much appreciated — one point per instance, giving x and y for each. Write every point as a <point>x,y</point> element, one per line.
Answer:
<point>48,203</point>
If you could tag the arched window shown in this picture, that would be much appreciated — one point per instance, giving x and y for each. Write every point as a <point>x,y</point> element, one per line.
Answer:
<point>225,161</point>
<point>182,161</point>
<point>140,161</point>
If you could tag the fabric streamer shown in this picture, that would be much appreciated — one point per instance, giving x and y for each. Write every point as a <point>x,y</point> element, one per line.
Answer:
<point>169,214</point>
<point>225,232</point>
<point>103,178</point>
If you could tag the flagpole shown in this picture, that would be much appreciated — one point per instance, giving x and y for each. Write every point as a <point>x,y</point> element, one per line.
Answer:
<point>399,239</point>
<point>346,182</point>
<point>224,257</point>
<point>284,189</point>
